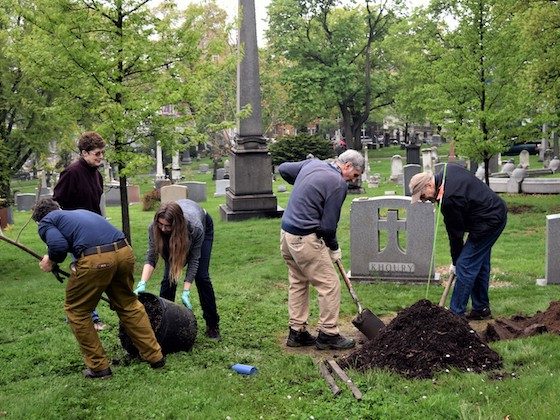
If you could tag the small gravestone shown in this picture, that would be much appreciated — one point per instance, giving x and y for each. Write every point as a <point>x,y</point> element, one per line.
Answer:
<point>554,164</point>
<point>226,167</point>
<point>133,192</point>
<point>173,193</point>
<point>203,168</point>
<point>396,169</point>
<point>542,148</point>
<point>162,183</point>
<point>515,180</point>
<point>282,188</point>
<point>427,160</point>
<point>103,205</point>
<point>390,239</point>
<point>480,172</point>
<point>508,167</point>
<point>547,157</point>
<point>197,190</point>
<point>186,157</point>
<point>435,157</point>
<point>113,194</point>
<point>552,262</point>
<point>221,185</point>
<point>25,201</point>
<point>409,171</point>
<point>220,173</point>
<point>524,159</point>
<point>438,167</point>
<point>175,167</point>
<point>493,165</point>
<point>436,139</point>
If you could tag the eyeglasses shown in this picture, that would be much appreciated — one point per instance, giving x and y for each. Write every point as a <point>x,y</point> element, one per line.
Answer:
<point>98,153</point>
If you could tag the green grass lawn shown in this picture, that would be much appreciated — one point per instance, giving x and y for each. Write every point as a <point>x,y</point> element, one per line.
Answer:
<point>40,365</point>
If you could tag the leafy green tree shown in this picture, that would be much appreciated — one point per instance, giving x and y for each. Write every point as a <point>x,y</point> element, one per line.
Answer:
<point>540,33</point>
<point>331,59</point>
<point>31,114</point>
<point>476,72</point>
<point>118,59</point>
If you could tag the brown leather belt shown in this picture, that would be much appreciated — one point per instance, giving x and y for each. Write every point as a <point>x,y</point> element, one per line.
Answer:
<point>100,249</point>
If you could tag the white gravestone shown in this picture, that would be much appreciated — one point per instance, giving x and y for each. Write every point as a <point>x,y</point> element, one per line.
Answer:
<point>524,159</point>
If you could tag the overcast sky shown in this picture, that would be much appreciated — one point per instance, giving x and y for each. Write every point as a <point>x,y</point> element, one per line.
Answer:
<point>230,6</point>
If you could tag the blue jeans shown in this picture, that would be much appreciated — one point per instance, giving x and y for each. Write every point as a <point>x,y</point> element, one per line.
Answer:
<point>473,273</point>
<point>202,279</point>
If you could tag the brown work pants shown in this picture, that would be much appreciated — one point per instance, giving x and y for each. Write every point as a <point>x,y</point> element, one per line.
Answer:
<point>112,273</point>
<point>309,262</point>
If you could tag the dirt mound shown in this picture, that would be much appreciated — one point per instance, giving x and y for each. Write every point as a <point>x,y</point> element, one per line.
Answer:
<point>521,326</point>
<point>422,340</point>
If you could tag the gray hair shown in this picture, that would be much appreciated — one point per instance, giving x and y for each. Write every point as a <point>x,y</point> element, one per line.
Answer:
<point>354,157</point>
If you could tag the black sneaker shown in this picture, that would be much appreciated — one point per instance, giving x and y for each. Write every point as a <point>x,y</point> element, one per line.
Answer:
<point>477,315</point>
<point>300,338</point>
<point>97,374</point>
<point>334,342</point>
<point>159,364</point>
<point>213,333</point>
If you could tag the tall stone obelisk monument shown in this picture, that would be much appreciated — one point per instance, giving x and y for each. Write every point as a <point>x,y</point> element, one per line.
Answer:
<point>250,192</point>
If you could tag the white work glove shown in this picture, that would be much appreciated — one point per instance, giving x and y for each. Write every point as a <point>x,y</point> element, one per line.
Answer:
<point>335,255</point>
<point>451,269</point>
<point>141,287</point>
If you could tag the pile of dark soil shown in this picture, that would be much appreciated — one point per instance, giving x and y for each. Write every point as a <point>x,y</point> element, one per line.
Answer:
<point>422,340</point>
<point>521,326</point>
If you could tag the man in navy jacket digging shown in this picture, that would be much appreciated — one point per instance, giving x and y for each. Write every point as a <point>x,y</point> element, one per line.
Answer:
<point>468,206</point>
<point>309,244</point>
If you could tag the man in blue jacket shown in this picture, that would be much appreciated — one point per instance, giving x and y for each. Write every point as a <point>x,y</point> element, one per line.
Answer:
<point>309,244</point>
<point>104,263</point>
<point>468,206</point>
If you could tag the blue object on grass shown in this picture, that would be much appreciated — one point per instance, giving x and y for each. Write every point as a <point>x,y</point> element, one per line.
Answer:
<point>244,369</point>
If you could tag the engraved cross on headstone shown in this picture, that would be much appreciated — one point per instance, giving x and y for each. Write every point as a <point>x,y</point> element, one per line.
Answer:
<point>392,224</point>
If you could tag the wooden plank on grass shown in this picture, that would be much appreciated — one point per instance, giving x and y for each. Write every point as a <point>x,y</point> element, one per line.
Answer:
<point>342,375</point>
<point>330,380</point>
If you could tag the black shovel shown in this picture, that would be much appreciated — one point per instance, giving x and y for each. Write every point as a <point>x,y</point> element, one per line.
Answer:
<point>366,321</point>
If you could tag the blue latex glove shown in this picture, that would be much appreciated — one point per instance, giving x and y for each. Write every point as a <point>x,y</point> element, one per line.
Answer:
<point>141,287</point>
<point>186,298</point>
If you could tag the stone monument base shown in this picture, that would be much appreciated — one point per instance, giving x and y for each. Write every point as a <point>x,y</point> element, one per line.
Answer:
<point>229,215</point>
<point>393,279</point>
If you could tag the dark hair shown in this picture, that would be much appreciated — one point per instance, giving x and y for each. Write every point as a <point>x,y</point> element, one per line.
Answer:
<point>43,207</point>
<point>179,238</point>
<point>90,140</point>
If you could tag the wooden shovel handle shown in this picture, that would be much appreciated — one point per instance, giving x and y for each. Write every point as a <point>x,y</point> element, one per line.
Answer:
<point>447,289</point>
<point>349,285</point>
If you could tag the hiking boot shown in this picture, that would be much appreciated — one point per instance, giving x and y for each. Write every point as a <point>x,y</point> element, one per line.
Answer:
<point>477,315</point>
<point>213,333</point>
<point>97,374</point>
<point>159,364</point>
<point>300,338</point>
<point>334,342</point>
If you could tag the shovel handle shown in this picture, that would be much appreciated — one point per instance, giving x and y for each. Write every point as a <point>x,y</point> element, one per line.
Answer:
<point>446,290</point>
<point>338,263</point>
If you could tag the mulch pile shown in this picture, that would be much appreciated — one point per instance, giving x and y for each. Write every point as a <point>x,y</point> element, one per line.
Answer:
<point>422,340</point>
<point>522,326</point>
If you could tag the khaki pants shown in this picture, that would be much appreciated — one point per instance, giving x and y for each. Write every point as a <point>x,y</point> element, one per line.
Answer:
<point>309,262</point>
<point>112,273</point>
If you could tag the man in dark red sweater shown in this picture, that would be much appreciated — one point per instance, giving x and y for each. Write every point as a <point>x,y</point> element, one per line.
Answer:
<point>80,185</point>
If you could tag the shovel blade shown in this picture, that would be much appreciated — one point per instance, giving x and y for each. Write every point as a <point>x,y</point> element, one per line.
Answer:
<point>368,324</point>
